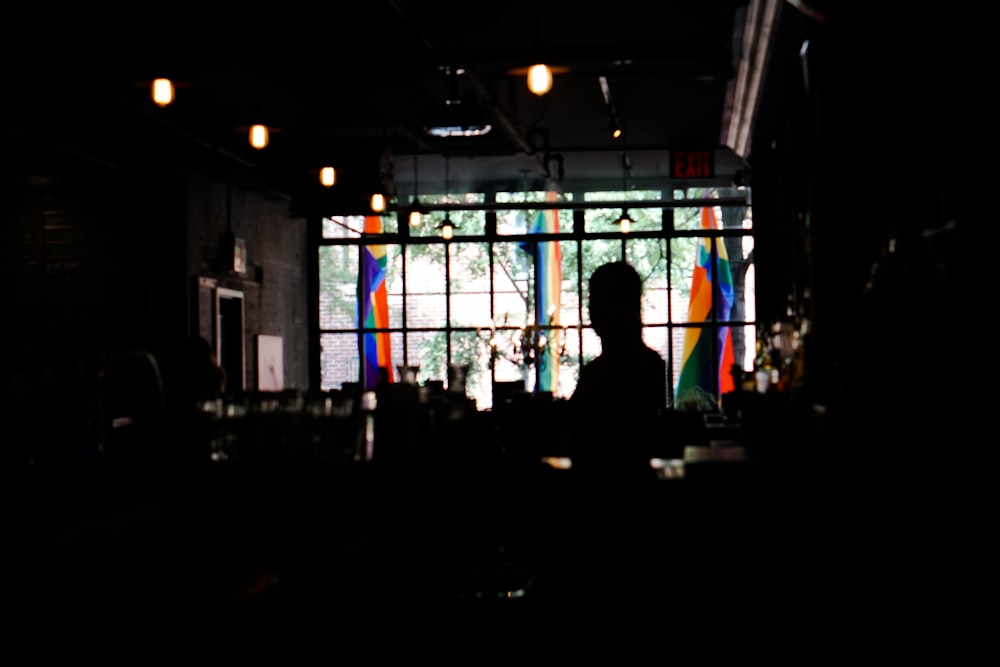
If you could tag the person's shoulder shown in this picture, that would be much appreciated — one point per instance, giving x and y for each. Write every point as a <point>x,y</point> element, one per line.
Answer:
<point>596,367</point>
<point>592,379</point>
<point>653,355</point>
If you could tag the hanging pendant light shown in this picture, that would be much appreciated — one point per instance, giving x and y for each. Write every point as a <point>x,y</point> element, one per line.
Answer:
<point>416,215</point>
<point>378,202</point>
<point>625,222</point>
<point>539,79</point>
<point>259,136</point>
<point>328,176</point>
<point>162,92</point>
<point>615,128</point>
<point>447,227</point>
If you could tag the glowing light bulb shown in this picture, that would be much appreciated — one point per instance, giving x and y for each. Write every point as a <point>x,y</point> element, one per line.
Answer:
<point>163,92</point>
<point>539,79</point>
<point>327,176</point>
<point>259,136</point>
<point>378,202</point>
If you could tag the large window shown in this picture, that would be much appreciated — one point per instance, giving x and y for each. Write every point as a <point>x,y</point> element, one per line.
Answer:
<point>507,294</point>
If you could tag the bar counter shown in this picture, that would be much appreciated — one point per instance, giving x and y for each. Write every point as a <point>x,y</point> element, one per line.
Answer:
<point>445,555</point>
<point>478,539</point>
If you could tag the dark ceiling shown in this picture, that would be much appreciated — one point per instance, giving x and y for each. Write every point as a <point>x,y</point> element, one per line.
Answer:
<point>355,88</point>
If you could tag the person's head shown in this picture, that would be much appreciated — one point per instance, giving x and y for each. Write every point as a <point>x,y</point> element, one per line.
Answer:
<point>615,299</point>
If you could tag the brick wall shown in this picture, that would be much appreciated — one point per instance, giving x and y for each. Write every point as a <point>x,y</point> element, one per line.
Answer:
<point>274,284</point>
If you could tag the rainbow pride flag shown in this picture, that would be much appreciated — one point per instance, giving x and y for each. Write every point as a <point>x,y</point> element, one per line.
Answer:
<point>548,297</point>
<point>373,311</point>
<point>705,365</point>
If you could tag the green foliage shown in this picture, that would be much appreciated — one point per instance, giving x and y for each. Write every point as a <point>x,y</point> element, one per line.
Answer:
<point>467,347</point>
<point>338,265</point>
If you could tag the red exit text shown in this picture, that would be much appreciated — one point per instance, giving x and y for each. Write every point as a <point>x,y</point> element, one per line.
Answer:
<point>693,164</point>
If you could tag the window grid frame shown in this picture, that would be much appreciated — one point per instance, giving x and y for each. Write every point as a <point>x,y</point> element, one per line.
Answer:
<point>577,235</point>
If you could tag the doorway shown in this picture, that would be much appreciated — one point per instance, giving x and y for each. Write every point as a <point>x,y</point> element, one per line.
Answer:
<point>230,338</point>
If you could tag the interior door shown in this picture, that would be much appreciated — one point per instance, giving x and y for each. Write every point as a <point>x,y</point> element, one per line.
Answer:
<point>230,336</point>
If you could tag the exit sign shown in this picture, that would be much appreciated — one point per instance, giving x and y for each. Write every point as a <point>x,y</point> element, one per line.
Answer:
<point>692,164</point>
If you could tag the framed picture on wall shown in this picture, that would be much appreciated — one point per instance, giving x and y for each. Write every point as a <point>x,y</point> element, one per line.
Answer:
<point>239,255</point>
<point>270,363</point>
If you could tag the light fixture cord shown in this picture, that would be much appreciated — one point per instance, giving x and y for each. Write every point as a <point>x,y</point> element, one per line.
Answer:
<point>626,161</point>
<point>622,105</point>
<point>447,197</point>
<point>538,27</point>
<point>416,174</point>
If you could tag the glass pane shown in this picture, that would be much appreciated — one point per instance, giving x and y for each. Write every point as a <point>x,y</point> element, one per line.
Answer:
<point>728,217</point>
<point>466,223</point>
<point>470,284</point>
<point>601,220</point>
<point>428,350</point>
<point>408,350</point>
<point>520,221</point>
<point>506,342</point>
<point>338,360</point>
<point>338,278</point>
<point>591,345</point>
<point>511,222</point>
<point>569,312</point>
<point>343,226</point>
<point>687,218</point>
<point>507,360</point>
<point>390,223</point>
<point>469,347</point>
<point>397,358</point>
<point>645,219</point>
<point>511,286</point>
<point>649,257</point>
<point>428,226</point>
<point>472,223</point>
<point>566,343</point>
<point>606,219</point>
<point>425,286</point>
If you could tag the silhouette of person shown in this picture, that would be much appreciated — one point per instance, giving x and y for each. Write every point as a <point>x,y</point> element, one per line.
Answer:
<point>626,383</point>
<point>628,375</point>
